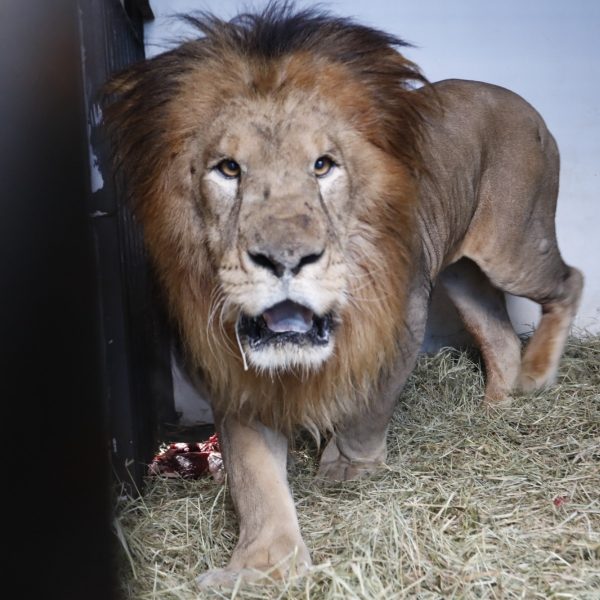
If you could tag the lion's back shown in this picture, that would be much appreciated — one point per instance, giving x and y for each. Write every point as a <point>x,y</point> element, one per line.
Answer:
<point>487,150</point>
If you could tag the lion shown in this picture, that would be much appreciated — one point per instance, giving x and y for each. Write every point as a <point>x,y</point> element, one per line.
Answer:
<point>302,188</point>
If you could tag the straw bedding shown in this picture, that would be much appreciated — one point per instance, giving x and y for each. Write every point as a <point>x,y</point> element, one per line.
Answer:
<point>473,503</point>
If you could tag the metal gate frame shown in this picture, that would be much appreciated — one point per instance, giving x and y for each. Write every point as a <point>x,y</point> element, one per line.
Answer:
<point>136,351</point>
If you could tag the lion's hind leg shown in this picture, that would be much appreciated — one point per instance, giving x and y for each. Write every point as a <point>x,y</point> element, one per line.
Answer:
<point>547,280</point>
<point>543,352</point>
<point>512,238</point>
<point>482,309</point>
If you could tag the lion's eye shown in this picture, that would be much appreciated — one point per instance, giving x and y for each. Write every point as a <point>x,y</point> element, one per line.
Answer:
<point>323,165</point>
<point>229,168</point>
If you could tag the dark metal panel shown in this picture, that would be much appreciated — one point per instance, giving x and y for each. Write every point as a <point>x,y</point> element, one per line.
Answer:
<point>140,7</point>
<point>136,349</point>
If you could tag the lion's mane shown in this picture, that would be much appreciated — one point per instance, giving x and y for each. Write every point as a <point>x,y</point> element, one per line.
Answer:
<point>155,109</point>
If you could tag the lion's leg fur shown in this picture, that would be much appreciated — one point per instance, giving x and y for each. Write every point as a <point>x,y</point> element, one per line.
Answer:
<point>526,262</point>
<point>543,352</point>
<point>558,291</point>
<point>512,235</point>
<point>482,307</point>
<point>358,449</point>
<point>541,276</point>
<point>358,446</point>
<point>255,460</point>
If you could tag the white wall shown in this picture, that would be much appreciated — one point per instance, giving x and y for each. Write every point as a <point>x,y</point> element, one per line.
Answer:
<point>546,50</point>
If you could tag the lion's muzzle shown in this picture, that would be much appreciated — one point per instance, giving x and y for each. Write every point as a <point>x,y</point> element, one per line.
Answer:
<point>290,293</point>
<point>286,323</point>
<point>281,263</point>
<point>284,246</point>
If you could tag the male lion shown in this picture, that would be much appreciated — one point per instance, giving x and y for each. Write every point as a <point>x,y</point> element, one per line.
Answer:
<point>300,198</point>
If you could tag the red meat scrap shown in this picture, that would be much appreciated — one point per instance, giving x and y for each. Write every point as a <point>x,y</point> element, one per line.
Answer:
<point>190,460</point>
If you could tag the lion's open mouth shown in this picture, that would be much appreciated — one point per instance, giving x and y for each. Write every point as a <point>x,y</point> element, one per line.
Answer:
<point>286,323</point>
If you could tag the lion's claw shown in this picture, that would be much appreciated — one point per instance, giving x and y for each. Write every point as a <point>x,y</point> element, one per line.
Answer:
<point>272,561</point>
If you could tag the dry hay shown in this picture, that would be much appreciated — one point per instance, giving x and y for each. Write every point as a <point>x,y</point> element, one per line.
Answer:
<point>473,504</point>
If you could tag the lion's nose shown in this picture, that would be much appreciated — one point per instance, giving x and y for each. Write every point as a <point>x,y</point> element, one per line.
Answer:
<point>284,261</point>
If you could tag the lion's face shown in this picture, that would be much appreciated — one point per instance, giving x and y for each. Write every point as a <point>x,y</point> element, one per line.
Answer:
<point>274,186</point>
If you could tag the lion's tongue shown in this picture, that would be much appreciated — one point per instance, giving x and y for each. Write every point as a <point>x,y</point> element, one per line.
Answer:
<point>288,316</point>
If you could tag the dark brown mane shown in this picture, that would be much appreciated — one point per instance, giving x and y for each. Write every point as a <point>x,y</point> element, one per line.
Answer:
<point>279,31</point>
<point>160,110</point>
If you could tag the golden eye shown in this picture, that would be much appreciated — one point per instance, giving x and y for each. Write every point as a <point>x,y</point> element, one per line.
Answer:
<point>229,168</point>
<point>323,165</point>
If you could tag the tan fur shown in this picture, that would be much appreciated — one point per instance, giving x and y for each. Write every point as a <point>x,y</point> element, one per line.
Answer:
<point>454,184</point>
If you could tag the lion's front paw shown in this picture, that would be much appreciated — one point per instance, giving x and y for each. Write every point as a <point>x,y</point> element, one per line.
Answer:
<point>218,578</point>
<point>338,467</point>
<point>277,559</point>
<point>226,579</point>
<point>345,470</point>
